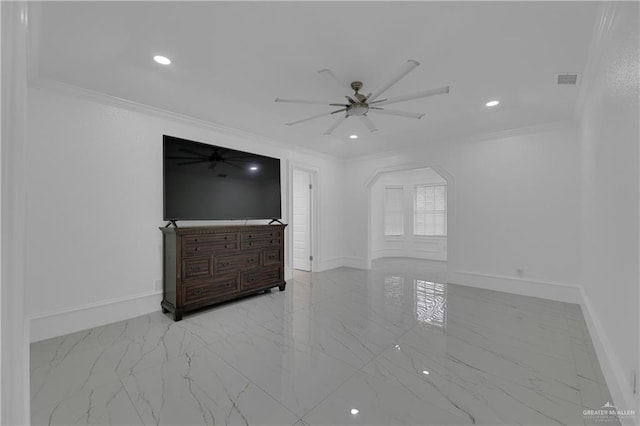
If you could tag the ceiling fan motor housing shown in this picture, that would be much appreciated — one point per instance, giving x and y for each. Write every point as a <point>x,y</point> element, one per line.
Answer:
<point>360,108</point>
<point>357,109</point>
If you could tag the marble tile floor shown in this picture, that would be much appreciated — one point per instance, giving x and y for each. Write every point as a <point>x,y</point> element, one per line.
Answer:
<point>393,345</point>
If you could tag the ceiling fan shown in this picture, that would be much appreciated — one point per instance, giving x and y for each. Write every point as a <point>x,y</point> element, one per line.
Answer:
<point>219,155</point>
<point>359,105</point>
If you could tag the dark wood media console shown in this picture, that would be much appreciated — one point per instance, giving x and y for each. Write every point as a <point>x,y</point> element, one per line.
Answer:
<point>211,264</point>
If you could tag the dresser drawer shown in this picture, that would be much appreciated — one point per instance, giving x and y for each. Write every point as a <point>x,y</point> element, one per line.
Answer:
<point>272,256</point>
<point>196,267</point>
<point>226,263</point>
<point>271,242</point>
<point>262,234</point>
<point>195,244</point>
<point>262,277</point>
<point>197,292</point>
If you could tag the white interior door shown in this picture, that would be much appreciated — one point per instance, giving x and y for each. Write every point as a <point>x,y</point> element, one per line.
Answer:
<point>301,220</point>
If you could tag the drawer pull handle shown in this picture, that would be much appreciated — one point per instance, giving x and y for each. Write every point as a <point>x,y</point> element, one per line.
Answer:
<point>196,240</point>
<point>251,259</point>
<point>195,268</point>
<point>196,249</point>
<point>274,275</point>
<point>224,264</point>
<point>196,292</point>
<point>226,238</point>
<point>251,280</point>
<point>225,246</point>
<point>272,256</point>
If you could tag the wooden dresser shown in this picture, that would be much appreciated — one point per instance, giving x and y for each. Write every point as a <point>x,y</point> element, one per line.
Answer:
<point>210,264</point>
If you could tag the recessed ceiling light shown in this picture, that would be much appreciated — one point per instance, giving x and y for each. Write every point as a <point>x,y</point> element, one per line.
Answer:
<point>353,136</point>
<point>492,103</point>
<point>354,411</point>
<point>163,60</point>
<point>253,168</point>
<point>425,372</point>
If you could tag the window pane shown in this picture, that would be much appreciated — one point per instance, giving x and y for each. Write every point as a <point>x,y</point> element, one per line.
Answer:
<point>440,198</point>
<point>430,210</point>
<point>439,224</point>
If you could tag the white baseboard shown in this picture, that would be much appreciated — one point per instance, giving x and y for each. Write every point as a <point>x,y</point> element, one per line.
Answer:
<point>65,321</point>
<point>355,262</point>
<point>547,290</point>
<point>337,262</point>
<point>617,381</point>
<point>413,254</point>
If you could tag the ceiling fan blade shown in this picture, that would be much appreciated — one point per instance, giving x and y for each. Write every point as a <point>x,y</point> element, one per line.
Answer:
<point>314,117</point>
<point>330,76</point>
<point>423,94</point>
<point>335,125</point>
<point>231,164</point>
<point>407,114</point>
<point>367,122</point>
<point>199,154</point>
<point>247,159</point>
<point>404,70</point>
<point>204,160</point>
<point>299,101</point>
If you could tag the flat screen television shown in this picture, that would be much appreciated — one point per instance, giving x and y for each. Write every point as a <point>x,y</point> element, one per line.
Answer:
<point>209,182</point>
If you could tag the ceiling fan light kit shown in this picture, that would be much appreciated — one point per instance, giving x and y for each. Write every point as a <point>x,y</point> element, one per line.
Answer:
<point>359,105</point>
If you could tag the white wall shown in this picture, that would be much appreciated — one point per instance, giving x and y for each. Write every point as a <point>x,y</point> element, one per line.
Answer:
<point>407,245</point>
<point>94,205</point>
<point>609,152</point>
<point>514,203</point>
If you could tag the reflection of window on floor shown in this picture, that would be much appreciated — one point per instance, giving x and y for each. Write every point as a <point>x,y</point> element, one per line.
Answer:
<point>431,303</point>
<point>393,296</point>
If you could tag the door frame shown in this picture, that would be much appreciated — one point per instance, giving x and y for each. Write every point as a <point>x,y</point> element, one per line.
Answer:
<point>313,211</point>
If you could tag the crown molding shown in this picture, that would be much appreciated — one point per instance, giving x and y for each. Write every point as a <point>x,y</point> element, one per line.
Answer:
<point>110,100</point>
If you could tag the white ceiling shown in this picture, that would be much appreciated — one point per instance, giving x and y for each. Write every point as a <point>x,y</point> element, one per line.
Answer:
<point>232,59</point>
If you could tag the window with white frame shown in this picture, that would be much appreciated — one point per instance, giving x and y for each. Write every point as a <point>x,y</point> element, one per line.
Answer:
<point>393,210</point>
<point>430,210</point>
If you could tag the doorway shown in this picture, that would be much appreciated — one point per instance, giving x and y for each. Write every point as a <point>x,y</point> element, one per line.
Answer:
<point>301,226</point>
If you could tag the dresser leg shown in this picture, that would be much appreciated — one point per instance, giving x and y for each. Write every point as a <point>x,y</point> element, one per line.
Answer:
<point>165,310</point>
<point>282,286</point>
<point>177,316</point>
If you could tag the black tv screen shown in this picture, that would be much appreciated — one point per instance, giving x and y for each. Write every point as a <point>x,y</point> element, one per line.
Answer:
<point>207,182</point>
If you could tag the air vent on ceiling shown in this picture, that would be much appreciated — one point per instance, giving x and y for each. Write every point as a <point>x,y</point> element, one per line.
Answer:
<point>567,79</point>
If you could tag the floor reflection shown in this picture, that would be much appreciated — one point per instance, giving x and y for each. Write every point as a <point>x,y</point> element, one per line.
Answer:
<point>431,303</point>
